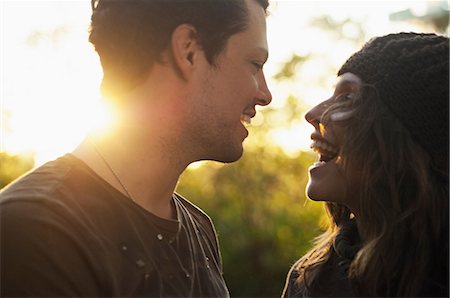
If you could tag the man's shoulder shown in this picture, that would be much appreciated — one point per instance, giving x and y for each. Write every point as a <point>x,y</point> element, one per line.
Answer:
<point>41,182</point>
<point>49,242</point>
<point>201,217</point>
<point>59,186</point>
<point>194,209</point>
<point>62,194</point>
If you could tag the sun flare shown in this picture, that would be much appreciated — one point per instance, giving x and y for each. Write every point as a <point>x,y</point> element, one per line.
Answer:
<point>50,74</point>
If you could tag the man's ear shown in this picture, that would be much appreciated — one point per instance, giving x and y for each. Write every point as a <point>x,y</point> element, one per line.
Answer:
<point>185,49</point>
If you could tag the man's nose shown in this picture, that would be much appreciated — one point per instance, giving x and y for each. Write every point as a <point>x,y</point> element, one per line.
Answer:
<point>264,96</point>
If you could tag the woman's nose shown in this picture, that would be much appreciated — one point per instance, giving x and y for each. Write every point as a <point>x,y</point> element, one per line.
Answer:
<point>313,116</point>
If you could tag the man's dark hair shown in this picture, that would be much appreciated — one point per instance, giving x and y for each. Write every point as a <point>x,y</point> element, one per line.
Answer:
<point>130,35</point>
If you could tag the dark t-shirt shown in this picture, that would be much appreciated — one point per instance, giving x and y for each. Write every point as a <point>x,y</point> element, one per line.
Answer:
<point>66,232</point>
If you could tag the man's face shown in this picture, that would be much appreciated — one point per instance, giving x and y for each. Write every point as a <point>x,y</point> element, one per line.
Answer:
<point>225,95</point>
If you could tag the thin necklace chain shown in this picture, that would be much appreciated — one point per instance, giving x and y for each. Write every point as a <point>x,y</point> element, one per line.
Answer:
<point>188,273</point>
<point>112,170</point>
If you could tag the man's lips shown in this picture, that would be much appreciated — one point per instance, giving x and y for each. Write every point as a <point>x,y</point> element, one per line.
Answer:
<point>246,118</point>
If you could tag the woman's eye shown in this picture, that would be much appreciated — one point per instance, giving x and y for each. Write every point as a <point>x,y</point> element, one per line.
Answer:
<point>344,97</point>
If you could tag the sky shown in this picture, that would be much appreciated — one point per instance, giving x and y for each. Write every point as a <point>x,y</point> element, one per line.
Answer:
<point>50,74</point>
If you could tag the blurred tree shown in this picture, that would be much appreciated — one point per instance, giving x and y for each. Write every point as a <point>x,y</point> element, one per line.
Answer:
<point>289,69</point>
<point>258,204</point>
<point>436,17</point>
<point>263,218</point>
<point>13,166</point>
<point>337,29</point>
<point>261,215</point>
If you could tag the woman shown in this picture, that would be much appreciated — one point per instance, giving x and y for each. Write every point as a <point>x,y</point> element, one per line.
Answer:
<point>382,140</point>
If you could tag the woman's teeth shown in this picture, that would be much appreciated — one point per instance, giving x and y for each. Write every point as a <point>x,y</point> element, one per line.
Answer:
<point>324,148</point>
<point>246,119</point>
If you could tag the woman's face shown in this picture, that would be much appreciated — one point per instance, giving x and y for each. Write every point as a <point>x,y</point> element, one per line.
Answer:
<point>327,180</point>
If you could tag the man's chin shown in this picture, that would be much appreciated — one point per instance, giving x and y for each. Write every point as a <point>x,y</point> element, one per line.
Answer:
<point>228,159</point>
<point>229,156</point>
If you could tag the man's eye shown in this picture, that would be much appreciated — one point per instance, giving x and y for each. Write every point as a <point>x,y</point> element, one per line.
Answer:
<point>257,65</point>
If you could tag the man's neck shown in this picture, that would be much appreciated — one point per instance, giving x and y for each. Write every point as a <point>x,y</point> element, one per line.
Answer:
<point>147,173</point>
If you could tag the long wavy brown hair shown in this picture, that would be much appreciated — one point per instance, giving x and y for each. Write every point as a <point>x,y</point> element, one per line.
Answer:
<point>403,208</point>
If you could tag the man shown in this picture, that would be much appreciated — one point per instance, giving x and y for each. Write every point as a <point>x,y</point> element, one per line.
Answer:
<point>104,221</point>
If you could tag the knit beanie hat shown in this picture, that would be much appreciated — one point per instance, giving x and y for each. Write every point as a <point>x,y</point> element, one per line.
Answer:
<point>410,71</point>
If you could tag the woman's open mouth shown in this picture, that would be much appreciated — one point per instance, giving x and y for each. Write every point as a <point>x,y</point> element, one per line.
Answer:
<point>325,150</point>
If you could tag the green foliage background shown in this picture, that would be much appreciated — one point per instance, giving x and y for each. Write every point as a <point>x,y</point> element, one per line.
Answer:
<point>258,204</point>
<point>261,214</point>
<point>13,166</point>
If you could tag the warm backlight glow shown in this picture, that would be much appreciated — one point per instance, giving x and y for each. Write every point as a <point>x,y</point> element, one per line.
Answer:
<point>50,74</point>
<point>51,78</point>
<point>290,31</point>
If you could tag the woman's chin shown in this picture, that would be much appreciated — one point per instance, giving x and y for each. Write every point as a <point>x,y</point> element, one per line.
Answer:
<point>313,193</point>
